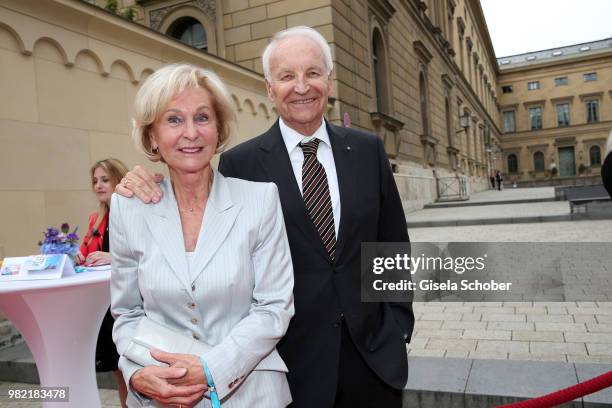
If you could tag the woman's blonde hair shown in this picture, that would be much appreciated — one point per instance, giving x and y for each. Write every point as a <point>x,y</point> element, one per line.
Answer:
<point>164,85</point>
<point>116,170</point>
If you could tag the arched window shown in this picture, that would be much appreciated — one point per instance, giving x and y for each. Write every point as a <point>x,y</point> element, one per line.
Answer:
<point>512,163</point>
<point>424,104</point>
<point>595,155</point>
<point>379,64</point>
<point>189,31</point>
<point>538,161</point>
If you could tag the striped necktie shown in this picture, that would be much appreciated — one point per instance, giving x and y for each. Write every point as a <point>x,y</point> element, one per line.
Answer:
<point>316,196</point>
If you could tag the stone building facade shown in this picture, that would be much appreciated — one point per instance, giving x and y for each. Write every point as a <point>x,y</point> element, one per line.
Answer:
<point>407,70</point>
<point>556,113</point>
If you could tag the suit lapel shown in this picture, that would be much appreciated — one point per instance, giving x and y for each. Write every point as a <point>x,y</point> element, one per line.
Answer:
<point>274,159</point>
<point>348,175</point>
<point>219,218</point>
<point>165,226</point>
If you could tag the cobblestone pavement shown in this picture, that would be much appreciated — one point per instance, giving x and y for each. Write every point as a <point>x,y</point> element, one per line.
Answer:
<point>538,209</point>
<point>566,231</point>
<point>108,398</point>
<point>553,331</point>
<point>509,194</point>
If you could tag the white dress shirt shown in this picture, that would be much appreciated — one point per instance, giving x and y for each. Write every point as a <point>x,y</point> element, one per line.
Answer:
<point>325,156</point>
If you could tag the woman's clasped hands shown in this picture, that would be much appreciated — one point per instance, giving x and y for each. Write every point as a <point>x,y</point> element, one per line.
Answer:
<point>181,384</point>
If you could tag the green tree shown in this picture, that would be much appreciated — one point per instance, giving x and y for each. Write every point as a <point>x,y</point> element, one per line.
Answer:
<point>112,5</point>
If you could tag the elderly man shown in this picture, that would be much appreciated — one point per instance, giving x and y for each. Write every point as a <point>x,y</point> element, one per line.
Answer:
<point>337,191</point>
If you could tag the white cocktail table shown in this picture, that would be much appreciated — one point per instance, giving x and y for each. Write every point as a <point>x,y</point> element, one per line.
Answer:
<point>59,320</point>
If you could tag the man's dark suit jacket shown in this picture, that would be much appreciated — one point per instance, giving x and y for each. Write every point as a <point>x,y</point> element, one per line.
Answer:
<point>325,290</point>
<point>606,173</point>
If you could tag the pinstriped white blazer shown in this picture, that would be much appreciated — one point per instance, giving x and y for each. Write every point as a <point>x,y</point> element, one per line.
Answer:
<point>238,297</point>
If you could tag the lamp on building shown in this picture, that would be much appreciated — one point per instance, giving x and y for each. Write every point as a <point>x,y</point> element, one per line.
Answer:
<point>465,121</point>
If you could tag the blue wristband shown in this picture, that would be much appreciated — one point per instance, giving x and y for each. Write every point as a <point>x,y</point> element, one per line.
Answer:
<point>214,398</point>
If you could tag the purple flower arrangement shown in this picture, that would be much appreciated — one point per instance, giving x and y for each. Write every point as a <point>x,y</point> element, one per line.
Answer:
<point>60,241</point>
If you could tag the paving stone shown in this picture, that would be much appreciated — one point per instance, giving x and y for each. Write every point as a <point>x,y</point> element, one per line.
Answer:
<point>588,337</point>
<point>427,324</point>
<point>556,310</point>
<point>603,318</point>
<point>550,318</point>
<point>441,316</point>
<point>523,378</point>
<point>598,328</point>
<point>456,354</point>
<point>589,359</point>
<point>487,304</point>
<point>417,343</point>
<point>471,317</point>
<point>458,344</point>
<point>510,326</point>
<point>494,317</point>
<point>496,310</point>
<point>530,335</point>
<point>584,319</point>
<point>426,353</point>
<point>434,374</point>
<point>487,334</point>
<point>464,325</point>
<point>537,357</point>
<point>489,355</point>
<point>502,346</point>
<point>550,347</point>
<point>529,310</point>
<point>564,327</point>
<point>586,304</point>
<point>459,309</point>
<point>439,333</point>
<point>599,349</point>
<point>590,310</point>
<point>519,304</point>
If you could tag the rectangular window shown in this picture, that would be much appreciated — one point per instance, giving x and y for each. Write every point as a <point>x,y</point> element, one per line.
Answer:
<point>563,118</point>
<point>592,108</point>
<point>561,81</point>
<point>535,117</point>
<point>509,122</point>
<point>532,86</point>
<point>591,76</point>
<point>507,89</point>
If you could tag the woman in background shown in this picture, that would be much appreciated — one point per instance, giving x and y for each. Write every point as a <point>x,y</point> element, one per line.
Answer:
<point>95,251</point>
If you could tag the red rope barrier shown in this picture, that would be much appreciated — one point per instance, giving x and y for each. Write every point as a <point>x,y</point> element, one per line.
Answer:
<point>565,395</point>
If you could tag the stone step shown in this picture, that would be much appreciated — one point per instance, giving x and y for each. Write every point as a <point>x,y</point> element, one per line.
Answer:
<point>9,336</point>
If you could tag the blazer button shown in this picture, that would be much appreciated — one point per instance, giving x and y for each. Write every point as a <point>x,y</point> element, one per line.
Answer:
<point>191,305</point>
<point>194,321</point>
<point>230,385</point>
<point>196,336</point>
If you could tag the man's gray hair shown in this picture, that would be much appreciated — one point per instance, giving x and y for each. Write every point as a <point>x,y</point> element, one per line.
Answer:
<point>297,31</point>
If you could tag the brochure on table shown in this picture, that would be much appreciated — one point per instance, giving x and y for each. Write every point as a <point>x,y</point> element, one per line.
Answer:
<point>52,266</point>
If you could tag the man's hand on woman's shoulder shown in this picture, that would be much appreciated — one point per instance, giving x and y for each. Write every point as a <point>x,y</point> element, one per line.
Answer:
<point>141,183</point>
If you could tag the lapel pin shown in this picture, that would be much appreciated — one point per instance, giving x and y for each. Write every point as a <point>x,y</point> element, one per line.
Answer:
<point>348,148</point>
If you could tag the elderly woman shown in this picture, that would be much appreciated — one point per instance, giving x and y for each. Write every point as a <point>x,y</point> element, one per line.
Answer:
<point>210,260</point>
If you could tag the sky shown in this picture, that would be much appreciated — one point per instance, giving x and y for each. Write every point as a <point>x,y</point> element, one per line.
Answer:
<point>519,26</point>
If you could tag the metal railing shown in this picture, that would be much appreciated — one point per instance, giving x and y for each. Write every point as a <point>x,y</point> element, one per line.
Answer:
<point>452,188</point>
